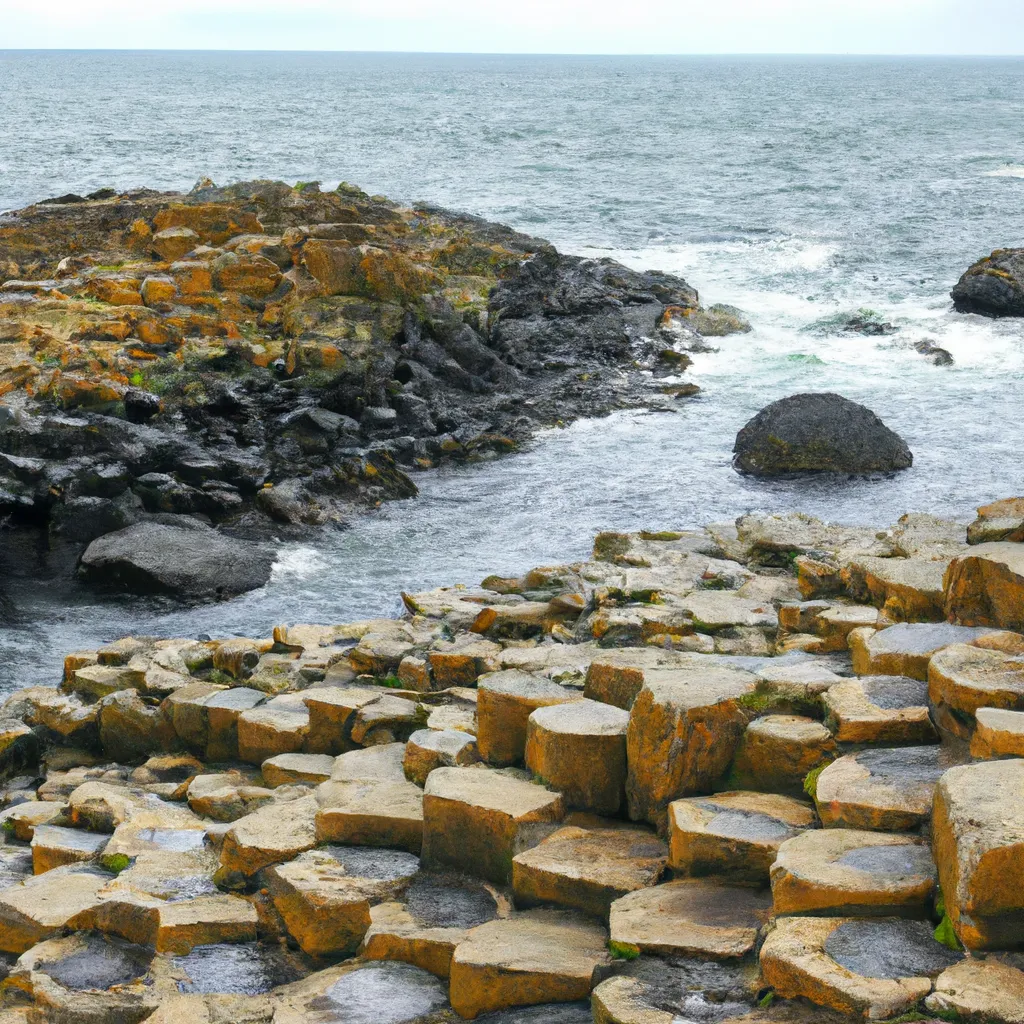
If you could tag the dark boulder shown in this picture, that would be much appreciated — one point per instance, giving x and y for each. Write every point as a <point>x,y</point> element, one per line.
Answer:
<point>818,433</point>
<point>185,560</point>
<point>994,286</point>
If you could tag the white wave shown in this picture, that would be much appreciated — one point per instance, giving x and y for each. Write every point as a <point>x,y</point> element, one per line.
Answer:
<point>298,562</point>
<point>1010,171</point>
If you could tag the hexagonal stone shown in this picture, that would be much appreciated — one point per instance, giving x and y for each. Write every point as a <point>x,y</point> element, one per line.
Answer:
<point>227,796</point>
<point>906,589</point>
<point>588,869</point>
<point>477,819</point>
<point>297,769</point>
<point>984,990</point>
<point>436,915</point>
<point>880,709</point>
<point>205,717</point>
<point>905,649</point>
<point>963,678</point>
<point>736,835</point>
<point>383,763</point>
<point>332,711</point>
<point>428,749</point>
<point>101,806</point>
<point>777,751</point>
<point>683,730</point>
<point>54,846</point>
<point>41,906</point>
<point>978,839</point>
<point>580,749</point>
<point>324,896</point>
<point>888,789</point>
<point>275,833</point>
<point>998,734</point>
<point>798,685</point>
<point>505,701</point>
<point>874,968</point>
<point>986,587</point>
<point>848,872</point>
<point>25,817</point>
<point>277,727</point>
<point>376,813</point>
<point>691,916</point>
<point>385,720</point>
<point>537,957</point>
<point>167,775</point>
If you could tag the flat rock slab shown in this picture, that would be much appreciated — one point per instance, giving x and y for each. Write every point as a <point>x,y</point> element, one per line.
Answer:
<point>382,813</point>
<point>964,678</point>
<point>383,763</point>
<point>477,819</point>
<point>889,789</point>
<point>40,907</point>
<point>332,711</point>
<point>998,734</point>
<point>880,709</point>
<point>430,748</point>
<point>736,835</point>
<point>505,701</point>
<point>297,769</point>
<point>875,968</point>
<point>777,751</point>
<point>906,648</point>
<point>54,846</point>
<point>275,833</point>
<point>588,869</point>
<point>696,917</point>
<point>579,749</point>
<point>849,872</point>
<point>979,847</point>
<point>537,957</point>
<point>436,914</point>
<point>980,990</point>
<point>279,726</point>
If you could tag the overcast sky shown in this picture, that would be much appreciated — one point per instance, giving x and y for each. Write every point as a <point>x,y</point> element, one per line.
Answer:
<point>524,26</point>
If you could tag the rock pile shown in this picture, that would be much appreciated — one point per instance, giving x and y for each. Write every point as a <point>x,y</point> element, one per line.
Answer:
<point>767,771</point>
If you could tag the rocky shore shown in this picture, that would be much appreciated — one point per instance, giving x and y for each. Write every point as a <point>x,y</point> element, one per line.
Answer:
<point>769,771</point>
<point>262,359</point>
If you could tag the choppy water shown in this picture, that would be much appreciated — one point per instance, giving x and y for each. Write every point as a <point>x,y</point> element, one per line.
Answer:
<point>801,189</point>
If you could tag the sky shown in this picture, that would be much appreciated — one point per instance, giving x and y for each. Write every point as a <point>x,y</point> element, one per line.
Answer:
<point>523,26</point>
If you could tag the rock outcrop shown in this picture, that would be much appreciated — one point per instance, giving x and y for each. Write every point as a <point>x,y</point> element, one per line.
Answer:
<point>994,286</point>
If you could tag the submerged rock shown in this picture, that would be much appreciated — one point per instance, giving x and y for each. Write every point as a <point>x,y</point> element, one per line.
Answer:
<point>818,433</point>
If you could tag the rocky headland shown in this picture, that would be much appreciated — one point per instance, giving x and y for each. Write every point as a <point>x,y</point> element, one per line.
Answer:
<point>264,358</point>
<point>769,771</point>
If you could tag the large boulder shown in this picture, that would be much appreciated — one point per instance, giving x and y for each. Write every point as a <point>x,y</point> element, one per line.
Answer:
<point>994,286</point>
<point>186,561</point>
<point>818,433</point>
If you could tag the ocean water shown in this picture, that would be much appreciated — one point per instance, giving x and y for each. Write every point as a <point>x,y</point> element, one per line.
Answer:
<point>801,189</point>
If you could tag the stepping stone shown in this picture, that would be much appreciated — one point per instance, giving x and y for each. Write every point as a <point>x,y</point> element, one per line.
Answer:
<point>880,709</point>
<point>130,728</point>
<point>874,968</point>
<point>40,907</point>
<point>332,710</point>
<point>378,813</point>
<point>905,649</point>
<point>363,993</point>
<point>830,623</point>
<point>889,789</point>
<point>736,835</point>
<point>60,716</point>
<point>277,727</point>
<point>540,956</point>
<point>905,589</point>
<point>227,796</point>
<point>383,763</point>
<point>777,751</point>
<point>297,769</point>
<point>25,817</point>
<point>170,874</point>
<point>846,872</point>
<point>54,846</point>
<point>985,587</point>
<point>437,913</point>
<point>477,819</point>
<point>690,917</point>
<point>458,717</point>
<point>100,806</point>
<point>167,775</point>
<point>461,663</point>
<point>962,679</point>
<point>428,749</point>
<point>588,869</point>
<point>275,833</point>
<point>796,685</point>
<point>205,717</point>
<point>978,839</point>
<point>984,990</point>
<point>505,701</point>
<point>579,749</point>
<point>156,825</point>
<point>998,734</point>
<point>387,719</point>
<point>324,896</point>
<point>683,731</point>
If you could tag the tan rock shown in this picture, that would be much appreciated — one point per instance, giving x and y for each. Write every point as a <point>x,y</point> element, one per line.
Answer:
<point>167,775</point>
<point>587,869</point>
<point>277,832</point>
<point>428,749</point>
<point>846,872</point>
<point>888,789</point>
<point>277,727</point>
<point>690,917</point>
<point>173,243</point>
<point>131,728</point>
<point>537,957</point>
<point>462,662</point>
<point>880,709</point>
<point>227,796</point>
<point>777,751</point>
<point>25,817</point>
<point>477,819</point>
<point>736,835</point>
<point>385,720</point>
<point>613,683</point>
<point>998,734</point>
<point>376,813</point>
<point>979,990</point>
<point>579,749</point>
<point>904,649</point>
<point>100,806</point>
<point>297,769</point>
<point>54,846</point>
<point>41,906</point>
<point>986,587</point>
<point>978,838</point>
<point>331,712</point>
<point>683,731</point>
<point>964,678</point>
<point>905,589</point>
<point>64,718</point>
<point>999,521</point>
<point>504,705</point>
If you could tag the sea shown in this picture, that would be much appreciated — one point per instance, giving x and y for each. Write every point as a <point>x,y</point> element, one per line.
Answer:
<point>804,190</point>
